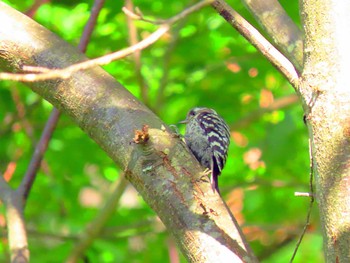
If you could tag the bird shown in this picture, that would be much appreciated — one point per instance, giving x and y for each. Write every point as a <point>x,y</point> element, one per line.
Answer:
<point>207,136</point>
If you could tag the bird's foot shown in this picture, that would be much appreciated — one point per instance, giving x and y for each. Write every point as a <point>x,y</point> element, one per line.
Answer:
<point>206,172</point>
<point>176,133</point>
<point>204,175</point>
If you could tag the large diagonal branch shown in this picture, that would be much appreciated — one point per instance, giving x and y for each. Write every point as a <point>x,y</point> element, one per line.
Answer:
<point>161,169</point>
<point>15,200</point>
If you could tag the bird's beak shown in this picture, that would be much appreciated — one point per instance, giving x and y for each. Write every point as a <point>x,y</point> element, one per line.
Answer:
<point>183,122</point>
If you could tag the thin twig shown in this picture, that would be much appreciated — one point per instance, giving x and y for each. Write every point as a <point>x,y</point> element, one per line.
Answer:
<point>188,11</point>
<point>50,125</point>
<point>90,25</point>
<point>104,60</point>
<point>312,199</point>
<point>65,73</point>
<point>37,4</point>
<point>14,205</point>
<point>139,16</point>
<point>302,194</point>
<point>15,200</point>
<point>40,149</point>
<point>257,40</point>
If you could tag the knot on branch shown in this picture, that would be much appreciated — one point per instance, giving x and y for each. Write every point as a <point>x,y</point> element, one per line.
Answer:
<point>142,136</point>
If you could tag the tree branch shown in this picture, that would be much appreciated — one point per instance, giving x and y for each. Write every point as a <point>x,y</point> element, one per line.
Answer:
<point>90,25</point>
<point>40,149</point>
<point>45,73</point>
<point>258,41</point>
<point>17,235</point>
<point>162,169</point>
<point>50,126</point>
<point>280,28</point>
<point>15,200</point>
<point>312,199</point>
<point>326,98</point>
<point>35,7</point>
<point>68,71</point>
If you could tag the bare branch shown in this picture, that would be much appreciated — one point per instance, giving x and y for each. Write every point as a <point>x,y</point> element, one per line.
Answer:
<point>139,16</point>
<point>104,60</point>
<point>174,19</point>
<point>40,149</point>
<point>257,40</point>
<point>90,25</point>
<point>17,235</point>
<point>50,126</point>
<point>65,73</point>
<point>280,28</point>
<point>35,7</point>
<point>312,199</point>
<point>15,200</point>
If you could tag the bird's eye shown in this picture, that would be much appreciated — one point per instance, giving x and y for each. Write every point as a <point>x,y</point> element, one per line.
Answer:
<point>192,113</point>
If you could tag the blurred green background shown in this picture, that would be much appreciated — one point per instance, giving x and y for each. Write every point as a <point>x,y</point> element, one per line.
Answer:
<point>203,61</point>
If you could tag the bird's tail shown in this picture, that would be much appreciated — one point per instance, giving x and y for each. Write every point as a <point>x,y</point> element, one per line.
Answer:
<point>215,172</point>
<point>214,182</point>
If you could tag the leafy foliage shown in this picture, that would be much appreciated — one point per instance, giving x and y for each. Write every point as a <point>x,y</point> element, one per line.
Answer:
<point>202,62</point>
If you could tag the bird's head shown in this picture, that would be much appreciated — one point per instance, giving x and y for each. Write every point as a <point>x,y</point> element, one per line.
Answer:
<point>195,112</point>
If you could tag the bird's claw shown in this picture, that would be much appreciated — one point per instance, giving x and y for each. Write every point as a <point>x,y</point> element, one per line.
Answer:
<point>206,172</point>
<point>176,131</point>
<point>204,175</point>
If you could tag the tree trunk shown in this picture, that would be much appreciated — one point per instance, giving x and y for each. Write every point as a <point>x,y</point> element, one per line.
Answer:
<point>326,93</point>
<point>324,90</point>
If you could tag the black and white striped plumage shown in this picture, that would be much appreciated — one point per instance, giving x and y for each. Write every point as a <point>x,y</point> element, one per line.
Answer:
<point>208,137</point>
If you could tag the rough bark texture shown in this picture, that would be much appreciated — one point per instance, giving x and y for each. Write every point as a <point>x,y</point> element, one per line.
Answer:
<point>325,86</point>
<point>324,91</point>
<point>162,169</point>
